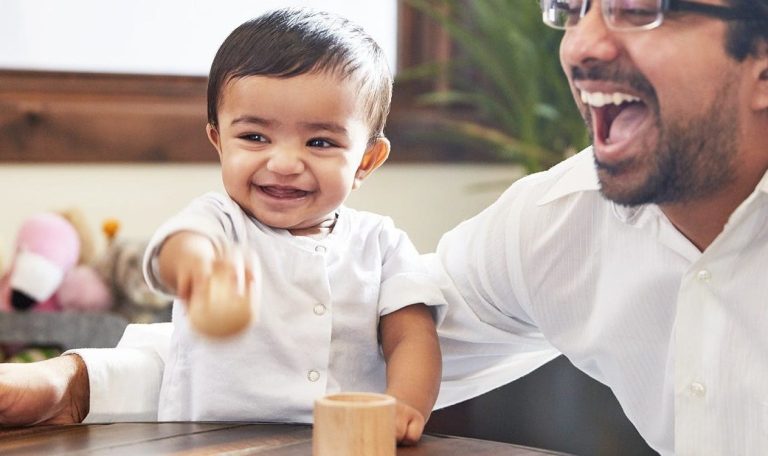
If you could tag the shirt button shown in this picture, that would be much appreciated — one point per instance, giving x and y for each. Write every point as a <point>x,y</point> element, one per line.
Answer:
<point>319,309</point>
<point>313,375</point>
<point>704,275</point>
<point>320,249</point>
<point>697,389</point>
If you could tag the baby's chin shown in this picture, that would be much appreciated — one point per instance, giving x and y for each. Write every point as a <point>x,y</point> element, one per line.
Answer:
<point>296,224</point>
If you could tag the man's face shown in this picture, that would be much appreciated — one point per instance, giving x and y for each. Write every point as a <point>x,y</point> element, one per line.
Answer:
<point>662,106</point>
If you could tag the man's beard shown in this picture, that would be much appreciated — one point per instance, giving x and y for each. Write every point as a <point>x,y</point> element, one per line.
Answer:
<point>694,157</point>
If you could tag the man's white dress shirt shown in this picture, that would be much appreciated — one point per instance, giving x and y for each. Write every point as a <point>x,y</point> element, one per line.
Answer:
<point>679,335</point>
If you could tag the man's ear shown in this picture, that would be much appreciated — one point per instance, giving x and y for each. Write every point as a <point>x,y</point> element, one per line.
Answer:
<point>760,98</point>
<point>376,154</point>
<point>213,137</point>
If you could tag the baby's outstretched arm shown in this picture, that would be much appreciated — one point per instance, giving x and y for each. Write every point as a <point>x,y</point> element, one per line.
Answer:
<point>185,261</point>
<point>412,351</point>
<point>217,301</point>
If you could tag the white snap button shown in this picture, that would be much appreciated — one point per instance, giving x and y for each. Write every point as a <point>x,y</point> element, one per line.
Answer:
<point>319,309</point>
<point>698,389</point>
<point>313,375</point>
<point>704,275</point>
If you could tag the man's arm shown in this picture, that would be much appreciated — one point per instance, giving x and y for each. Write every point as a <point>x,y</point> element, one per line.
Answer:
<point>54,391</point>
<point>412,351</point>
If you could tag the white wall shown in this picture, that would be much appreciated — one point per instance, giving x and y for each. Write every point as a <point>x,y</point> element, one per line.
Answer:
<point>151,36</point>
<point>425,199</point>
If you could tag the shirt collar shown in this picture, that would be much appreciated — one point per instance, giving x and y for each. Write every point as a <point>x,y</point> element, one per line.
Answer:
<point>579,176</point>
<point>762,186</point>
<point>756,199</point>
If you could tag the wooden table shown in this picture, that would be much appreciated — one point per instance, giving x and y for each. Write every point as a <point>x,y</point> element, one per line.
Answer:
<point>214,438</point>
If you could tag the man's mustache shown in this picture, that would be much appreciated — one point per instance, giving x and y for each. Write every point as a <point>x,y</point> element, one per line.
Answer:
<point>612,73</point>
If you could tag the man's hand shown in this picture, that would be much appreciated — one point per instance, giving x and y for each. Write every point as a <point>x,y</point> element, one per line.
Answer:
<point>409,424</point>
<point>55,391</point>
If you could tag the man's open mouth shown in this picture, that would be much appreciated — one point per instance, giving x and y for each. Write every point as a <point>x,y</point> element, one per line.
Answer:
<point>616,116</point>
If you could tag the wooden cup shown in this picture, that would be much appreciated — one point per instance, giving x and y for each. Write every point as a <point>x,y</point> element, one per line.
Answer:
<point>354,424</point>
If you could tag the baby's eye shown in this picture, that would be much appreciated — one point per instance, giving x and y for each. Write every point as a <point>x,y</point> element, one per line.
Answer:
<point>318,142</point>
<point>253,137</point>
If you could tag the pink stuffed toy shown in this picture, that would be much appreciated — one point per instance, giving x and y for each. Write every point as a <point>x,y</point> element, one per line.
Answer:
<point>45,265</point>
<point>83,289</point>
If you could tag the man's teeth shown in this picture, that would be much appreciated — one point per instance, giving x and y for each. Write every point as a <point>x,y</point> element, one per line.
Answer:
<point>599,99</point>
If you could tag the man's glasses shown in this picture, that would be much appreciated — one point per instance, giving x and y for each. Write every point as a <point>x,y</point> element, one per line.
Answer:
<point>630,14</point>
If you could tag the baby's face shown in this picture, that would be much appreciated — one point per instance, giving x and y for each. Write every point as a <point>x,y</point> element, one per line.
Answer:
<point>290,147</point>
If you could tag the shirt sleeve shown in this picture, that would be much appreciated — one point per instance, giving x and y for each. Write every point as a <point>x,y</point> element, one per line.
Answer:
<point>125,381</point>
<point>212,215</point>
<point>487,336</point>
<point>404,278</point>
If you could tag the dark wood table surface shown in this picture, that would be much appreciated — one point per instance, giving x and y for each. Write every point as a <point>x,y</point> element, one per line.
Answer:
<point>214,438</point>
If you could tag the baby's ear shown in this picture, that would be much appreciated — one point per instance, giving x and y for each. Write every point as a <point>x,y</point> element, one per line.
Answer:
<point>376,154</point>
<point>214,137</point>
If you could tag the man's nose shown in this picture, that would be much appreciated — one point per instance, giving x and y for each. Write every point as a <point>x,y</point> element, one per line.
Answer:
<point>588,41</point>
<point>285,161</point>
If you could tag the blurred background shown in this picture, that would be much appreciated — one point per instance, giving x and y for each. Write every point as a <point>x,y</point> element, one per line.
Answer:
<point>102,106</point>
<point>102,112</point>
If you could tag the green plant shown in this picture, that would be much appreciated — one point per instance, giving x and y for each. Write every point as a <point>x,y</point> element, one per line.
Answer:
<point>508,73</point>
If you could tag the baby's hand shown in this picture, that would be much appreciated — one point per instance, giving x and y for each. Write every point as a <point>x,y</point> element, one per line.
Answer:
<point>409,424</point>
<point>219,305</point>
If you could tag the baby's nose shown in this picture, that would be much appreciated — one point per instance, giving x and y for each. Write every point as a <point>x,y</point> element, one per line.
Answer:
<point>285,161</point>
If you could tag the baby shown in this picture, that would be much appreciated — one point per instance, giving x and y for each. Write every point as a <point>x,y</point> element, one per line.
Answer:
<point>297,102</point>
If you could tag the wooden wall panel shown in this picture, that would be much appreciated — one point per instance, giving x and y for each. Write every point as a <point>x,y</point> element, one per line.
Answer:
<point>68,117</point>
<point>80,117</point>
<point>59,117</point>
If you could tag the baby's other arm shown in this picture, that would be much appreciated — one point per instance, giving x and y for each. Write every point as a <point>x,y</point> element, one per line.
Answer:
<point>412,352</point>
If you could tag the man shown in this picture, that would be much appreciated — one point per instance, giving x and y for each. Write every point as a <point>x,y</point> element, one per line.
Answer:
<point>644,258</point>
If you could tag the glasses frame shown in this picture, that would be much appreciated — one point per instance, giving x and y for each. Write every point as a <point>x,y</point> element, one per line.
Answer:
<point>725,13</point>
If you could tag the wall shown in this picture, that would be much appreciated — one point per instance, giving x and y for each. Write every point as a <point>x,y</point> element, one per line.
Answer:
<point>150,37</point>
<point>423,199</point>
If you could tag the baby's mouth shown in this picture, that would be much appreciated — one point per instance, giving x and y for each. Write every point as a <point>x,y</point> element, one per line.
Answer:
<point>283,192</point>
<point>616,116</point>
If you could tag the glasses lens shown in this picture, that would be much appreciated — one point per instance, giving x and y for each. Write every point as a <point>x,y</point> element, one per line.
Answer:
<point>561,13</point>
<point>633,14</point>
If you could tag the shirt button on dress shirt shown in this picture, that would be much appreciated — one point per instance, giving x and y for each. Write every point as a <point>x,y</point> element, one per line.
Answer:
<point>319,309</point>
<point>320,249</point>
<point>313,375</point>
<point>697,389</point>
<point>704,275</point>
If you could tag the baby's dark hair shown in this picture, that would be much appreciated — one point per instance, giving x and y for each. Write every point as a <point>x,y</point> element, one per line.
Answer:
<point>290,42</point>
